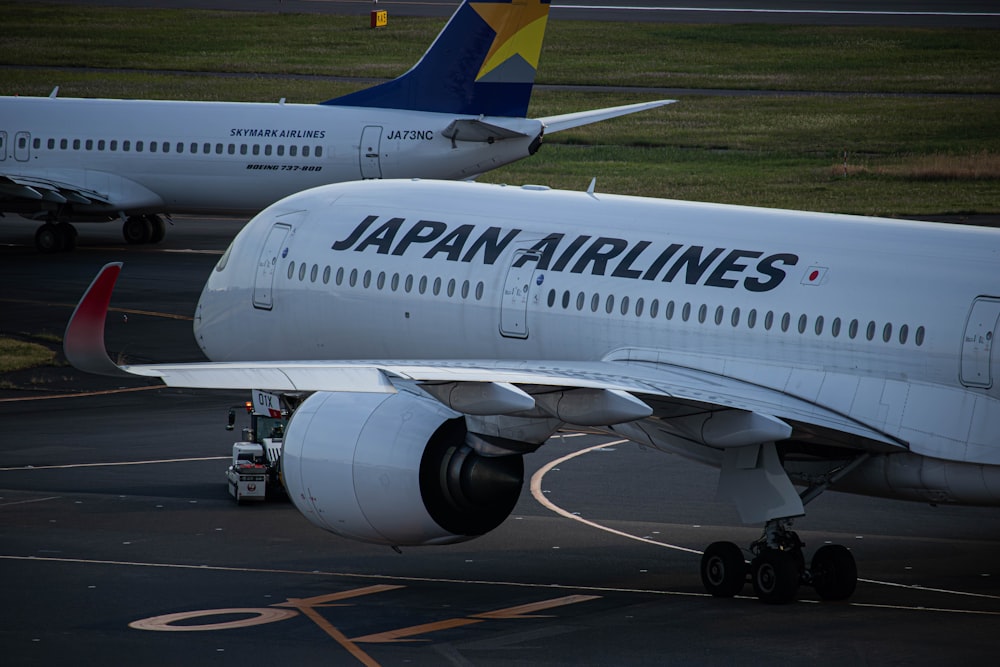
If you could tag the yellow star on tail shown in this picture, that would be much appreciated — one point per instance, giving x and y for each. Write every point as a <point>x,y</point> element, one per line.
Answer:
<point>519,31</point>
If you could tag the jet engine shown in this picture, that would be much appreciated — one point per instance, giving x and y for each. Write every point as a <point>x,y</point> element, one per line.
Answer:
<point>397,469</point>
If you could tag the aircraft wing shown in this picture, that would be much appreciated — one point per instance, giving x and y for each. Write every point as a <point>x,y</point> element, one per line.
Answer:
<point>569,120</point>
<point>30,188</point>
<point>691,404</point>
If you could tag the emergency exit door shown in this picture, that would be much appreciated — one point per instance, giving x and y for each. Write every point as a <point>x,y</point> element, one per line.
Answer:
<point>371,144</point>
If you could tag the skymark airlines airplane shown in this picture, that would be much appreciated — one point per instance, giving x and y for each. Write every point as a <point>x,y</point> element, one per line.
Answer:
<point>446,329</point>
<point>460,111</point>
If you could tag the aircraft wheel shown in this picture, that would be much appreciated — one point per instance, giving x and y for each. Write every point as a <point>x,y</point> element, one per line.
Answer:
<point>723,569</point>
<point>775,576</point>
<point>159,229</point>
<point>47,238</point>
<point>67,236</point>
<point>137,229</point>
<point>834,572</point>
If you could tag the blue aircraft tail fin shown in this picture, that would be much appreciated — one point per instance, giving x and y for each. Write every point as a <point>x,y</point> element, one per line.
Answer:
<point>482,63</point>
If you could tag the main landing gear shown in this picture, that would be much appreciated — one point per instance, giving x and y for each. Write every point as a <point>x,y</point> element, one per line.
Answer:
<point>55,237</point>
<point>778,567</point>
<point>144,229</point>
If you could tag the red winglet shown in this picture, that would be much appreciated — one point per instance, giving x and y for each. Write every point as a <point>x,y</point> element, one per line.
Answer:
<point>83,343</point>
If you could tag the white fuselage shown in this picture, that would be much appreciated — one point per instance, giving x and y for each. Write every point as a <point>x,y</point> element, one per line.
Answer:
<point>227,157</point>
<point>888,322</point>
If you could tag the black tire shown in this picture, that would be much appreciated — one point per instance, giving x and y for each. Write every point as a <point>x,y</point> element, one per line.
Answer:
<point>776,576</point>
<point>47,239</point>
<point>137,229</point>
<point>159,229</point>
<point>67,236</point>
<point>834,572</point>
<point>723,569</point>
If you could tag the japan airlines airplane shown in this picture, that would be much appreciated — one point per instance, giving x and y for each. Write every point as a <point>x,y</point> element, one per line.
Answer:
<point>446,329</point>
<point>460,111</point>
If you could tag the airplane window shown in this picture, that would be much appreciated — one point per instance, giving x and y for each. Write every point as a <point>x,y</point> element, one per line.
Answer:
<point>305,151</point>
<point>267,149</point>
<point>669,310</point>
<point>152,146</point>
<point>256,149</point>
<point>302,271</point>
<point>887,332</point>
<point>319,151</point>
<point>408,285</point>
<point>90,144</point>
<point>819,325</point>
<point>313,273</point>
<point>114,145</point>
<point>353,280</point>
<point>232,149</point>
<point>63,144</point>
<point>752,318</point>
<point>380,281</point>
<point>719,314</point>
<point>52,144</point>
<point>437,286</point>
<point>624,306</point>
<point>166,147</point>
<point>581,300</point>
<point>702,313</point>
<point>281,150</point>
<point>480,288</point>
<point>422,287</point>
<point>180,147</point>
<point>292,150</point>
<point>610,303</point>
<point>76,144</point>
<point>243,149</point>
<point>639,306</point>
<point>394,283</point>
<point>803,322</point>
<point>768,321</point>
<point>552,298</point>
<point>326,276</point>
<point>686,311</point>
<point>870,333</point>
<point>194,147</point>
<point>126,145</point>
<point>654,308</point>
<point>451,287</point>
<point>919,340</point>
<point>904,332</point>
<point>218,149</point>
<point>835,327</point>
<point>340,276</point>
<point>595,302</point>
<point>735,317</point>
<point>852,329</point>
<point>565,300</point>
<point>786,320</point>
<point>206,148</point>
<point>291,270</point>
<point>101,144</point>
<point>368,280</point>
<point>465,289</point>
<point>37,143</point>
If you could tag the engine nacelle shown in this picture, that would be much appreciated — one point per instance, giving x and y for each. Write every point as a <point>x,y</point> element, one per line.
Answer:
<point>394,469</point>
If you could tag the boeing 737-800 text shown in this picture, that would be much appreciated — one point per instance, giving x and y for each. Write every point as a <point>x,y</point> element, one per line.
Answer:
<point>444,330</point>
<point>460,111</point>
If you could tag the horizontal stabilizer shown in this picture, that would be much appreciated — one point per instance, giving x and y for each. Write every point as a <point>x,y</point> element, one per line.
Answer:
<point>473,129</point>
<point>569,120</point>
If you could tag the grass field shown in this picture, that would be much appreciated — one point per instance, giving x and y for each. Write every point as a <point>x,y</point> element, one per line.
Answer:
<point>914,128</point>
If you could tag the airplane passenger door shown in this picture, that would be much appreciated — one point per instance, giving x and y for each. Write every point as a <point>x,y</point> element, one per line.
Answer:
<point>3,146</point>
<point>263,286</point>
<point>517,290</point>
<point>22,146</point>
<point>977,346</point>
<point>371,140</point>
